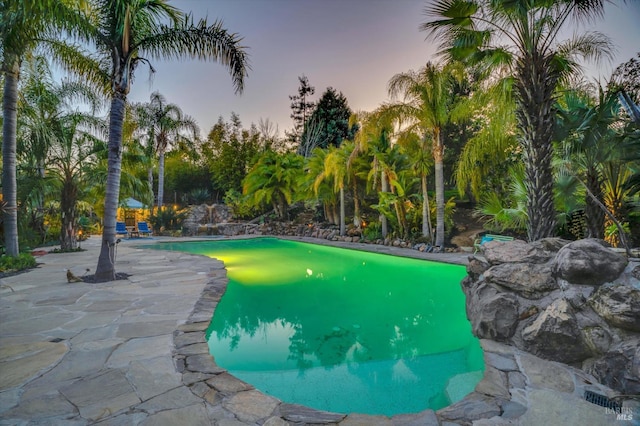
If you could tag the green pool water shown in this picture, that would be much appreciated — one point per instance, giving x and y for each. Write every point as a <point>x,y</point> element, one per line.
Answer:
<point>342,330</point>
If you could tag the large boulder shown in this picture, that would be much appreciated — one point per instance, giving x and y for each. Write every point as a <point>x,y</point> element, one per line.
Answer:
<point>618,304</point>
<point>552,244</point>
<point>555,334</point>
<point>619,368</point>
<point>493,315</point>
<point>476,267</point>
<point>530,280</point>
<point>588,261</point>
<point>516,251</point>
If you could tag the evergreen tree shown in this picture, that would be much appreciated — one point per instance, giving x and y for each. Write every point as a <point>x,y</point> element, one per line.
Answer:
<point>301,107</point>
<point>331,117</point>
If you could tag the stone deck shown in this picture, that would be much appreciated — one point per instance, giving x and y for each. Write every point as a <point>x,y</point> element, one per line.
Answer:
<point>132,352</point>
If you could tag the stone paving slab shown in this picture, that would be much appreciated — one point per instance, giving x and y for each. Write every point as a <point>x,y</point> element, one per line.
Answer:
<point>18,363</point>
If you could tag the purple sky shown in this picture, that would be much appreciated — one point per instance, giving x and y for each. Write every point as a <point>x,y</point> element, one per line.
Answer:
<point>355,46</point>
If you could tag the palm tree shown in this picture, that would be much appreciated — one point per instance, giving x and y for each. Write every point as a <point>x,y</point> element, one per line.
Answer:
<point>428,106</point>
<point>418,151</point>
<point>23,26</point>
<point>336,167</point>
<point>124,31</point>
<point>274,179</point>
<point>310,188</point>
<point>51,139</point>
<point>374,139</point>
<point>521,38</point>
<point>164,124</point>
<point>592,143</point>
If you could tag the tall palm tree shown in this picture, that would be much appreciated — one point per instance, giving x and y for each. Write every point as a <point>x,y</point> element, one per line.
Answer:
<point>24,25</point>
<point>164,124</point>
<point>51,138</point>
<point>417,149</point>
<point>521,38</point>
<point>374,140</point>
<point>428,106</point>
<point>336,167</point>
<point>322,192</point>
<point>124,32</point>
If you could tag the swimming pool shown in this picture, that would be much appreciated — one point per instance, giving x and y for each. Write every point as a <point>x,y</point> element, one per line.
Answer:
<point>342,330</point>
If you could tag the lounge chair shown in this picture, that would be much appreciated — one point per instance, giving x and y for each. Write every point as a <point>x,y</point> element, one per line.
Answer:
<point>121,229</point>
<point>143,228</point>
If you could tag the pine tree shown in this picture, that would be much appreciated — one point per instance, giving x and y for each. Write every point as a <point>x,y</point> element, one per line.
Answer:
<point>301,107</point>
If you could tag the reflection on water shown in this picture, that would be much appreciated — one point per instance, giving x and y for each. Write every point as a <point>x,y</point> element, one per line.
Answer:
<point>343,330</point>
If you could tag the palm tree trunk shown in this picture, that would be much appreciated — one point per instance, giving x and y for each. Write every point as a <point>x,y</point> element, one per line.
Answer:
<point>438,155</point>
<point>384,184</point>
<point>150,182</point>
<point>357,222</point>
<point>342,215</point>
<point>426,213</point>
<point>68,240</point>
<point>105,270</point>
<point>11,73</point>
<point>593,213</point>
<point>535,85</point>
<point>161,180</point>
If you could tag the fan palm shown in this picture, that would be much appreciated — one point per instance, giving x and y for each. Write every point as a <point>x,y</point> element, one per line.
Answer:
<point>164,124</point>
<point>592,141</point>
<point>521,37</point>
<point>123,31</point>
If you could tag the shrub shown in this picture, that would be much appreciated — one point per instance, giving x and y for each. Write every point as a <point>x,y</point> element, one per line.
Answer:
<point>167,219</point>
<point>19,263</point>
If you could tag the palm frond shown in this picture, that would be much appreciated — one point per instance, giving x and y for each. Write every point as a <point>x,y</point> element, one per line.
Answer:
<point>200,41</point>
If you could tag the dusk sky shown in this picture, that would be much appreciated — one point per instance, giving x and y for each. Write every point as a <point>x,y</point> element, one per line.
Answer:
<point>354,46</point>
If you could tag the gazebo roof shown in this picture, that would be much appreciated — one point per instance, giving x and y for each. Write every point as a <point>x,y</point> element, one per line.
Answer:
<point>131,203</point>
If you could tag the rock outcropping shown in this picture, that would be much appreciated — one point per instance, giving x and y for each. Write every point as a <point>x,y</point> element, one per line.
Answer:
<point>573,302</point>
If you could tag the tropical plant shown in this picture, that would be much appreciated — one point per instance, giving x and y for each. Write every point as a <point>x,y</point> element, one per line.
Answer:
<point>167,219</point>
<point>273,180</point>
<point>428,106</point>
<point>373,140</point>
<point>587,130</point>
<point>165,125</point>
<point>310,188</point>
<point>521,38</point>
<point>52,139</point>
<point>421,157</point>
<point>336,168</point>
<point>24,25</point>
<point>127,33</point>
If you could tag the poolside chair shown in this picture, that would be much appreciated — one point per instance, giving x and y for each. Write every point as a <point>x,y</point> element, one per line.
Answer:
<point>121,229</point>
<point>143,228</point>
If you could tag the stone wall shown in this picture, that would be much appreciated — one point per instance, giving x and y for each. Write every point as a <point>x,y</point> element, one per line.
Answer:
<point>573,302</point>
<point>202,217</point>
